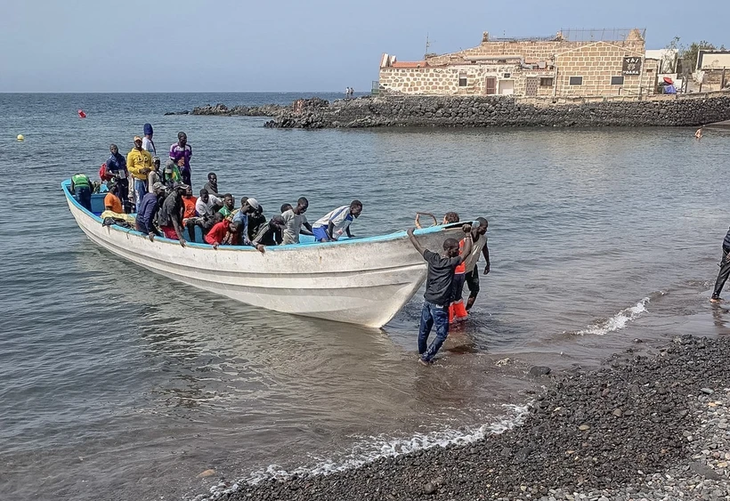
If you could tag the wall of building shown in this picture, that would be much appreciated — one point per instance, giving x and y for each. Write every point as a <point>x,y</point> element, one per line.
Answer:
<point>597,63</point>
<point>445,80</point>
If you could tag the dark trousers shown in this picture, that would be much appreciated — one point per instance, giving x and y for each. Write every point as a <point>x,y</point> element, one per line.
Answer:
<point>431,315</point>
<point>123,185</point>
<point>83,196</point>
<point>457,287</point>
<point>472,281</point>
<point>724,273</point>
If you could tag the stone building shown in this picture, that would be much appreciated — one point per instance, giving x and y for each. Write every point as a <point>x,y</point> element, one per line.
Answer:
<point>552,67</point>
<point>713,70</point>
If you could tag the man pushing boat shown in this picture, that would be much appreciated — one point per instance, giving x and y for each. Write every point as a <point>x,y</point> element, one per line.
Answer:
<point>439,291</point>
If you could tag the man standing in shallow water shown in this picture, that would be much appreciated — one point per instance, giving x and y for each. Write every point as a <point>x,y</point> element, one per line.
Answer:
<point>439,291</point>
<point>724,273</point>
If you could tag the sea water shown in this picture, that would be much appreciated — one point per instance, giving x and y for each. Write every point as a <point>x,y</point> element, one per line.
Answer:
<point>116,383</point>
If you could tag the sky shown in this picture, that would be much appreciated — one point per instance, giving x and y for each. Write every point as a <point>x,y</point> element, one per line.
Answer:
<point>287,45</point>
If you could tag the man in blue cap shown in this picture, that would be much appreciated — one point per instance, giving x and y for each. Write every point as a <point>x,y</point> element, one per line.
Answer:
<point>147,142</point>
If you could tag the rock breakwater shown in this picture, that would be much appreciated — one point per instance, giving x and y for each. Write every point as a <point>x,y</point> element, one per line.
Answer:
<point>267,110</point>
<point>640,427</point>
<point>502,111</point>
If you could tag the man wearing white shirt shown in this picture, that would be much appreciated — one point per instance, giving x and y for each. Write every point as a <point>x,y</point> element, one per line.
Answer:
<point>335,223</point>
<point>207,204</point>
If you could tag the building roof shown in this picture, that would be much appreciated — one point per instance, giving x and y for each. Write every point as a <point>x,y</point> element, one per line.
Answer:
<point>409,64</point>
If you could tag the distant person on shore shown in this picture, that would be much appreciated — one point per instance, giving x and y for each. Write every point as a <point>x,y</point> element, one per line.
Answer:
<point>333,224</point>
<point>170,215</point>
<point>81,189</point>
<point>147,143</point>
<point>271,234</point>
<point>294,219</point>
<point>724,273</point>
<point>182,147</point>
<point>117,166</point>
<point>479,241</point>
<point>439,290</point>
<point>212,185</point>
<point>347,92</point>
<point>112,201</point>
<point>698,133</point>
<point>147,210</point>
<point>139,164</point>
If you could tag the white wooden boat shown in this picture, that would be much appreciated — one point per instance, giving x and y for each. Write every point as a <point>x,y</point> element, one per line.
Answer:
<point>363,281</point>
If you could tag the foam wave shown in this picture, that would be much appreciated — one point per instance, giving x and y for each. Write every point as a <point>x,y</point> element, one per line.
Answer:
<point>618,321</point>
<point>372,448</point>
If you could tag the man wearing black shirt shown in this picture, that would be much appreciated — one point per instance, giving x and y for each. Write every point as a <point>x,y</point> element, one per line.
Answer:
<point>438,291</point>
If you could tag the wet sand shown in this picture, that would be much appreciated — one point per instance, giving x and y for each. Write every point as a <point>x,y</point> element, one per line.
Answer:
<point>649,423</point>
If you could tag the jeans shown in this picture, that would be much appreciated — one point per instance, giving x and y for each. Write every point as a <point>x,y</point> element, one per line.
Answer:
<point>83,196</point>
<point>432,314</point>
<point>724,273</point>
<point>140,188</point>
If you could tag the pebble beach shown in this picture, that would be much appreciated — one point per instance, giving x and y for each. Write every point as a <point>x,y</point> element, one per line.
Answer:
<point>649,424</point>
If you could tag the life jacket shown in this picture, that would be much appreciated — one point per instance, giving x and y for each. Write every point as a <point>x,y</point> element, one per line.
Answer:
<point>81,180</point>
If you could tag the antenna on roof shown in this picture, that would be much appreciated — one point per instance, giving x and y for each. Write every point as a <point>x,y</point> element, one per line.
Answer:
<point>428,44</point>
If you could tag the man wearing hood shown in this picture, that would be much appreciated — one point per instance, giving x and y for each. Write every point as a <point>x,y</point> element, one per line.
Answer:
<point>147,142</point>
<point>117,166</point>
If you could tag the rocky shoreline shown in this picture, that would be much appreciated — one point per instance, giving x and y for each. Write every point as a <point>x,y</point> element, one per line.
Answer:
<point>640,427</point>
<point>392,110</point>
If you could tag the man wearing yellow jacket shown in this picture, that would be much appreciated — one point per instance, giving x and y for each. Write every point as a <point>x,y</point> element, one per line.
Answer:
<point>139,164</point>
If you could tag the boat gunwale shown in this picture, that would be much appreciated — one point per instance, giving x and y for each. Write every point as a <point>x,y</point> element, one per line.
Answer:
<point>65,184</point>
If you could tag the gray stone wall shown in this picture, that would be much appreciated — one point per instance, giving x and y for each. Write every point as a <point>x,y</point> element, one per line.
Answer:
<point>502,111</point>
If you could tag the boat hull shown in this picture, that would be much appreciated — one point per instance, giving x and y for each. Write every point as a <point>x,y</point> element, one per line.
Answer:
<point>361,281</point>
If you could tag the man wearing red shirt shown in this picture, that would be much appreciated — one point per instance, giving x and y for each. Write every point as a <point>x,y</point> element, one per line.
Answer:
<point>220,231</point>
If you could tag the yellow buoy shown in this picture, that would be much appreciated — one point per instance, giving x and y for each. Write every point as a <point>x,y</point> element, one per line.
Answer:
<point>20,137</point>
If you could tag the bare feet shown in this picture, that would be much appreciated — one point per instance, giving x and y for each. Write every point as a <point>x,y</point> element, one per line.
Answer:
<point>714,299</point>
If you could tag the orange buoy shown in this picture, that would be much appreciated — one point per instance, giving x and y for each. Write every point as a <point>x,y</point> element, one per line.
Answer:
<point>82,114</point>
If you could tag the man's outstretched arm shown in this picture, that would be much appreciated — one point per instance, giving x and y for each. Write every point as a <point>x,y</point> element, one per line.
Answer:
<point>415,243</point>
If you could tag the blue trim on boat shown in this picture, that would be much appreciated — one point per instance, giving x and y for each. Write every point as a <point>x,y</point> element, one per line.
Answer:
<point>66,184</point>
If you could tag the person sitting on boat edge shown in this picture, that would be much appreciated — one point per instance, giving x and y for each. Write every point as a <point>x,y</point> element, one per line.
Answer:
<point>220,232</point>
<point>112,201</point>
<point>170,215</point>
<point>147,210</point>
<point>139,165</point>
<point>81,189</point>
<point>241,216</point>
<point>294,219</point>
<point>479,240</point>
<point>256,219</point>
<point>229,205</point>
<point>212,185</point>
<point>439,290</point>
<point>332,225</point>
<point>271,234</point>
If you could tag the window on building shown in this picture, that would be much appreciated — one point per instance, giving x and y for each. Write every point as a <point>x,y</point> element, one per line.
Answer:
<point>546,82</point>
<point>576,81</point>
<point>462,80</point>
<point>506,75</point>
<point>617,80</point>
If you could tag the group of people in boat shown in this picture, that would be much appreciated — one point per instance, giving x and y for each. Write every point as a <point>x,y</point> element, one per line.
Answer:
<point>163,202</point>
